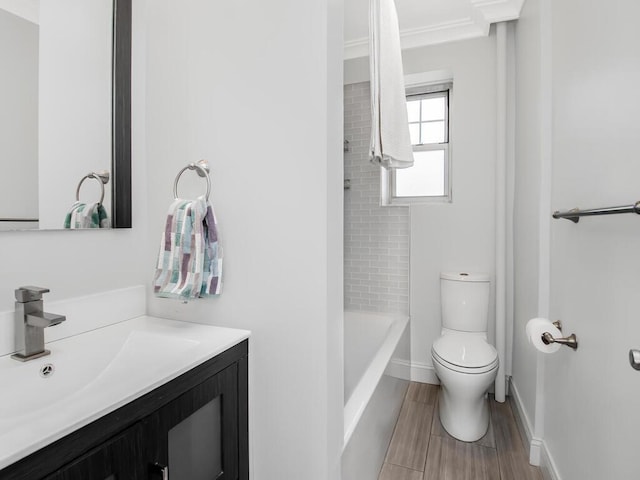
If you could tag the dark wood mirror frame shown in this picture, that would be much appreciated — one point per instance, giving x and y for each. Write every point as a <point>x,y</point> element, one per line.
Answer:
<point>121,116</point>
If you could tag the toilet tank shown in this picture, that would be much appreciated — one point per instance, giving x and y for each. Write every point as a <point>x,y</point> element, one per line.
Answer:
<point>464,298</point>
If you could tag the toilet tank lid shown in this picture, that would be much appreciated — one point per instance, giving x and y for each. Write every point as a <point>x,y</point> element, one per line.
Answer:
<point>465,276</point>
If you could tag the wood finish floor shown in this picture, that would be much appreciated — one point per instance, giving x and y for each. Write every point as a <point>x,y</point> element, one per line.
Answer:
<point>421,449</point>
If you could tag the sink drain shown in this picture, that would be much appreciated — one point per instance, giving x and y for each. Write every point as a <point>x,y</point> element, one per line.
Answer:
<point>47,370</point>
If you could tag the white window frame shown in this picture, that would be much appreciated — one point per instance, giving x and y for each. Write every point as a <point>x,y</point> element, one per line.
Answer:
<point>388,182</point>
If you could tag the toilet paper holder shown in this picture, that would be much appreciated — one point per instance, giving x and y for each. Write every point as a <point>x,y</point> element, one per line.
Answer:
<point>571,341</point>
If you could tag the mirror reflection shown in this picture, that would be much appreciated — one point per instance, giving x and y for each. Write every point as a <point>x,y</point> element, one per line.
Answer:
<point>56,115</point>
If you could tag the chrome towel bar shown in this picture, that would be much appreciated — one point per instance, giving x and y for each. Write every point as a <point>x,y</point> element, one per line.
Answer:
<point>575,214</point>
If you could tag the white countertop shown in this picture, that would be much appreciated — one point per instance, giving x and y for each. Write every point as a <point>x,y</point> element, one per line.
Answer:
<point>94,374</point>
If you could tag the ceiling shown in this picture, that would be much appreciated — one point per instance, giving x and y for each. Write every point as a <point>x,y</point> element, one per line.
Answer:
<point>427,22</point>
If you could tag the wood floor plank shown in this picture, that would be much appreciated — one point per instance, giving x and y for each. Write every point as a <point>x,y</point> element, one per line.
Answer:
<point>449,459</point>
<point>437,429</point>
<point>423,392</point>
<point>512,457</point>
<point>408,447</point>
<point>420,444</point>
<point>395,472</point>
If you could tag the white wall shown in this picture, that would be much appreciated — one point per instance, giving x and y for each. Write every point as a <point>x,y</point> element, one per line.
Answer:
<point>18,117</point>
<point>82,262</point>
<point>27,9</point>
<point>588,400</point>
<point>460,235</point>
<point>75,103</point>
<point>255,87</point>
<point>456,236</point>
<point>277,192</point>
<point>527,204</point>
<point>594,276</point>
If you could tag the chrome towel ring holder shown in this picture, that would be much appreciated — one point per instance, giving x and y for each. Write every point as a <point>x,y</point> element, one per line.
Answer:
<point>102,177</point>
<point>201,168</point>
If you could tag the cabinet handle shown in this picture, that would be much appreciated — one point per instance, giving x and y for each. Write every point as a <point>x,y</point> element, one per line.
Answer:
<point>161,469</point>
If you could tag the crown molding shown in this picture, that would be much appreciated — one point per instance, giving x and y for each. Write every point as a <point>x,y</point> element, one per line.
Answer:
<point>481,15</point>
<point>498,10</point>
<point>458,29</point>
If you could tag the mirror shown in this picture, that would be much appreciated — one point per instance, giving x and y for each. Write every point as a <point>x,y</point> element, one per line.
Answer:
<point>66,110</point>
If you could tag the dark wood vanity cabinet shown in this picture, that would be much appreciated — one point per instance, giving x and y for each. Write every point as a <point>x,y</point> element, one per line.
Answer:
<point>193,428</point>
<point>116,459</point>
<point>197,430</point>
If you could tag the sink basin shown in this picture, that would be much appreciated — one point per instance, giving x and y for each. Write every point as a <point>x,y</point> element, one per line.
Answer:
<point>72,372</point>
<point>94,373</point>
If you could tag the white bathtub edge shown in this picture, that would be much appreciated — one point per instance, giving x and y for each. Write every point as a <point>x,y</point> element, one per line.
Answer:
<point>356,405</point>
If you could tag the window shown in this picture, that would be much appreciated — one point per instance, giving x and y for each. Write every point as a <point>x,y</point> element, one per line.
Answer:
<point>428,179</point>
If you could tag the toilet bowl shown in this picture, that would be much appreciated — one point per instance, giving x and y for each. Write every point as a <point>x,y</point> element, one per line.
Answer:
<point>464,361</point>
<point>464,379</point>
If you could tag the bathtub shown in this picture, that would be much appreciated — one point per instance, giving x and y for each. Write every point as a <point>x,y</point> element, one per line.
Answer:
<point>375,371</point>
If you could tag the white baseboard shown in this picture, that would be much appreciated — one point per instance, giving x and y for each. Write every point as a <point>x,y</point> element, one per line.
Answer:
<point>547,465</point>
<point>423,373</point>
<point>538,452</point>
<point>535,451</point>
<point>524,423</point>
<point>399,368</point>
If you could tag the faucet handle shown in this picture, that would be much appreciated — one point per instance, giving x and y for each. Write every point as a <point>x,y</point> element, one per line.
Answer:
<point>30,293</point>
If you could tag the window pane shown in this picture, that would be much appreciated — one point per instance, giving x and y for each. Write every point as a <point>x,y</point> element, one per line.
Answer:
<point>414,132</point>
<point>433,108</point>
<point>425,178</point>
<point>432,132</point>
<point>413,111</point>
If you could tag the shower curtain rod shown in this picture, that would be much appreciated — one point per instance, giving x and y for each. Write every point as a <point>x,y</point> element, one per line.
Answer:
<point>575,214</point>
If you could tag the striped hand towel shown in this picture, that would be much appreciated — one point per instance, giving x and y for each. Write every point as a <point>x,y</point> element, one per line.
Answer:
<point>190,259</point>
<point>86,215</point>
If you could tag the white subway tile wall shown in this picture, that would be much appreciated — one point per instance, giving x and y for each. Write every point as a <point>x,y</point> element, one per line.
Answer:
<point>376,239</point>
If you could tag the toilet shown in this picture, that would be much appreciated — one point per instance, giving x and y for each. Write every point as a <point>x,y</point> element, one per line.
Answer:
<point>464,361</point>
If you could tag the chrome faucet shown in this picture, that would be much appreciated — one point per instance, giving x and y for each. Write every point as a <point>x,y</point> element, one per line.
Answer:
<point>31,320</point>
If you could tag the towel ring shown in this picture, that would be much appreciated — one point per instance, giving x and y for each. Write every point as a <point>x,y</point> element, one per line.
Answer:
<point>201,168</point>
<point>102,177</point>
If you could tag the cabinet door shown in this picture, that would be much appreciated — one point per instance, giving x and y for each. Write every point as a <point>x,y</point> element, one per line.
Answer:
<point>195,437</point>
<point>117,459</point>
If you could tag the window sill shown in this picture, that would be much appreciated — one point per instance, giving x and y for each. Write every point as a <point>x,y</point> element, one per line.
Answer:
<point>408,201</point>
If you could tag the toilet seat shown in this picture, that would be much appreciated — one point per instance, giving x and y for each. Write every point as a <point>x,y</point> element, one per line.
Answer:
<point>458,369</point>
<point>465,353</point>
